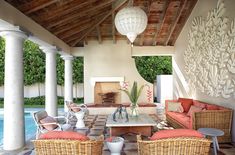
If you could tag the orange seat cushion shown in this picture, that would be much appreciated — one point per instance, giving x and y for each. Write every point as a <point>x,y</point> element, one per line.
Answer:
<point>175,133</point>
<point>181,118</point>
<point>64,135</point>
<point>186,103</point>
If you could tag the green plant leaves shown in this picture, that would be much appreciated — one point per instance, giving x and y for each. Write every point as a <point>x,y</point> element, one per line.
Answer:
<point>34,65</point>
<point>151,66</point>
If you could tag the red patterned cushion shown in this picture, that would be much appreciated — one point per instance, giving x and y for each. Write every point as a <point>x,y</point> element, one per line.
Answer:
<point>49,119</point>
<point>193,109</point>
<point>186,103</point>
<point>199,104</point>
<point>64,135</point>
<point>175,133</point>
<point>212,107</point>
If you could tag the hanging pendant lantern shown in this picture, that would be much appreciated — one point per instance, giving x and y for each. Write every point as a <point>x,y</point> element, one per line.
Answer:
<point>131,21</point>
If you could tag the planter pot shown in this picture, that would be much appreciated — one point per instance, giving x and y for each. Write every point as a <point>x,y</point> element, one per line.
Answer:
<point>115,146</point>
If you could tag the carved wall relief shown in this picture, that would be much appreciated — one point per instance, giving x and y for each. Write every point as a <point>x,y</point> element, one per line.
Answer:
<point>210,54</point>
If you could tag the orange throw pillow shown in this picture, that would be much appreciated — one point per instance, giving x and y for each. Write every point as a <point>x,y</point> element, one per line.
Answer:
<point>193,109</point>
<point>212,107</point>
<point>64,135</point>
<point>174,133</point>
<point>186,103</point>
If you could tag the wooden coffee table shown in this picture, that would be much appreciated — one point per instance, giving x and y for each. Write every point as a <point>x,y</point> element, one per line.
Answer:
<point>142,124</point>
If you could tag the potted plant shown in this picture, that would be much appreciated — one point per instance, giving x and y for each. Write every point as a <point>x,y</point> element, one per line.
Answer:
<point>134,95</point>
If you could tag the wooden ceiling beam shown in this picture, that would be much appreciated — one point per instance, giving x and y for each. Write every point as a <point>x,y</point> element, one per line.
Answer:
<point>176,21</point>
<point>113,28</point>
<point>162,21</point>
<point>117,4</point>
<point>148,13</point>
<point>35,5</point>
<point>99,34</point>
<point>188,12</point>
<point>74,37</point>
<point>75,32</point>
<point>74,16</point>
<point>70,26</point>
<point>40,7</point>
<point>63,10</point>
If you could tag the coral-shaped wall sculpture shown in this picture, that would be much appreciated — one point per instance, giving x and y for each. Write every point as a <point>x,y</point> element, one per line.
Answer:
<point>210,54</point>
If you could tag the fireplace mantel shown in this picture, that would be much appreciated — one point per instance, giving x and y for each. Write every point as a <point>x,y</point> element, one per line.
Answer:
<point>93,80</point>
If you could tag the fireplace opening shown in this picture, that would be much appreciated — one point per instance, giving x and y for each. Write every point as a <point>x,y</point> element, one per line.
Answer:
<point>107,93</point>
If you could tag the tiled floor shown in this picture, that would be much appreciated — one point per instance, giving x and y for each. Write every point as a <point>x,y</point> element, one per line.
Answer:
<point>95,126</point>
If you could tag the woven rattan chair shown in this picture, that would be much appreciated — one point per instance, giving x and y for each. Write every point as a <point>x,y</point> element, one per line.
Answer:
<point>174,146</point>
<point>61,126</point>
<point>68,147</point>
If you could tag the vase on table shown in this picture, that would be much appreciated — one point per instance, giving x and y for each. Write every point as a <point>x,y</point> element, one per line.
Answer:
<point>134,110</point>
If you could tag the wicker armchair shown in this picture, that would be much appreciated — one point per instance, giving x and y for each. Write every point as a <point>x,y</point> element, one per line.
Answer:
<point>68,147</point>
<point>173,146</point>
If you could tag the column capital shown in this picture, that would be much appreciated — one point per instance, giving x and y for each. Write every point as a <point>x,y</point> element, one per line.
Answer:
<point>15,33</point>
<point>67,57</point>
<point>48,49</point>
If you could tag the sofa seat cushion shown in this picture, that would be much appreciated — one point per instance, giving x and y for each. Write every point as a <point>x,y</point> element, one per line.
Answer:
<point>181,118</point>
<point>186,103</point>
<point>64,135</point>
<point>163,134</point>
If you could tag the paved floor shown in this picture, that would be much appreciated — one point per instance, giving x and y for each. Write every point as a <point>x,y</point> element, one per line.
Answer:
<point>95,126</point>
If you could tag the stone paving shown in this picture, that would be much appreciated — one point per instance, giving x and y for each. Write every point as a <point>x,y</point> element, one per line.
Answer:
<point>95,126</point>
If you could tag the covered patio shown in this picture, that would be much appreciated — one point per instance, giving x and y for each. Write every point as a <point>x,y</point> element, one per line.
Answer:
<point>187,30</point>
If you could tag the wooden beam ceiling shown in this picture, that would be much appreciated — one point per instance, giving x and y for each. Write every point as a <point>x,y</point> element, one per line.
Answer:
<point>148,13</point>
<point>117,4</point>
<point>73,16</point>
<point>183,3</point>
<point>78,21</point>
<point>162,21</point>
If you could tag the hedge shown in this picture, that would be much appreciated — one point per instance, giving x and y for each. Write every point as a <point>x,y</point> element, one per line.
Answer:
<point>34,65</point>
<point>151,66</point>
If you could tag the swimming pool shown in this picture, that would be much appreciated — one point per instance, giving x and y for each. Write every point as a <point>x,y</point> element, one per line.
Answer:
<point>30,127</point>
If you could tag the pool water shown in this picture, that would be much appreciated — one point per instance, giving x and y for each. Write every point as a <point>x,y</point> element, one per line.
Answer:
<point>30,127</point>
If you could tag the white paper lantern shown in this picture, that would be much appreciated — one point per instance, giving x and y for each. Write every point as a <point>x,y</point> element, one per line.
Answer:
<point>131,21</point>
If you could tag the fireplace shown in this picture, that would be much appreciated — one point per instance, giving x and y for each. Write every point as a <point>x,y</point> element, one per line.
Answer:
<point>107,90</point>
<point>107,93</point>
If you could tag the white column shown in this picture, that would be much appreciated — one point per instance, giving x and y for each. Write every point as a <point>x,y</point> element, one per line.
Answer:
<point>51,81</point>
<point>13,132</point>
<point>68,79</point>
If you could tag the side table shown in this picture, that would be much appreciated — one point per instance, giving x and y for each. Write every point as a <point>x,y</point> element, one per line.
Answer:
<point>213,133</point>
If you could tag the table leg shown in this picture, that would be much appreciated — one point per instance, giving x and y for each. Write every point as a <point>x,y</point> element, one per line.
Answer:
<point>217,144</point>
<point>214,145</point>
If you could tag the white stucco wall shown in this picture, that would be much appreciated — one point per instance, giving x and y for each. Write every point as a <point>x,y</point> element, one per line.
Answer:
<point>180,85</point>
<point>36,89</point>
<point>109,60</point>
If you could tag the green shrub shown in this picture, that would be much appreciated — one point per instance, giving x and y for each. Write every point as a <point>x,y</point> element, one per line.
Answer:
<point>34,101</point>
<point>151,66</point>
